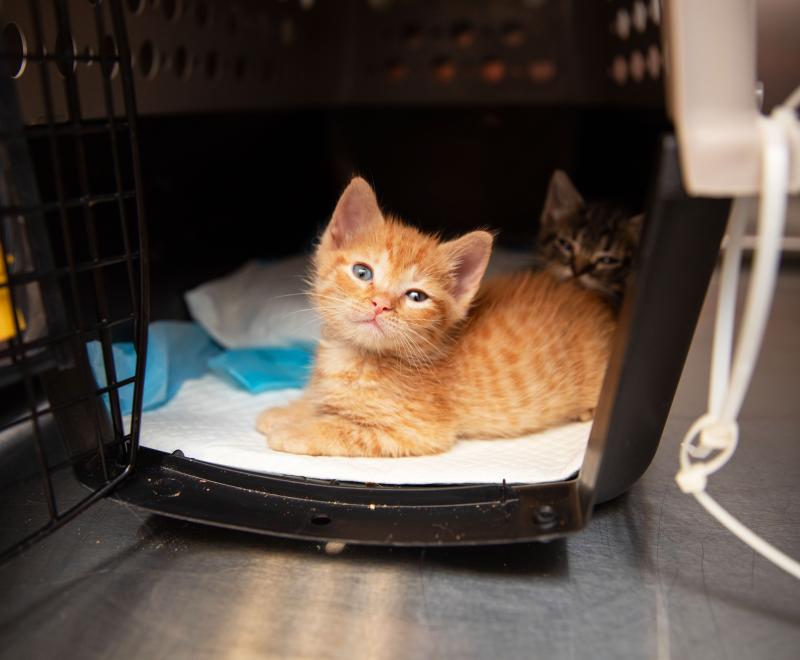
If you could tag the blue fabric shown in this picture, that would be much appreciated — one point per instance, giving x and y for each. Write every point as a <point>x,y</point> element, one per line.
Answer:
<point>176,352</point>
<point>262,369</point>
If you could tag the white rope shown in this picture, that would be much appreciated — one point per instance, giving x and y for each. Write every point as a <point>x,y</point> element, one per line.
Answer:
<point>711,441</point>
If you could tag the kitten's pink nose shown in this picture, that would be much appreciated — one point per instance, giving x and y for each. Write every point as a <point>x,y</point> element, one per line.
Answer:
<point>381,304</point>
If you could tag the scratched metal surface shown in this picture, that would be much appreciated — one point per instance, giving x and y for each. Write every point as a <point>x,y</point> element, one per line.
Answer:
<point>652,576</point>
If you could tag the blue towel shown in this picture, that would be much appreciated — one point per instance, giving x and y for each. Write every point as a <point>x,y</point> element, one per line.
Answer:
<point>176,352</point>
<point>262,369</point>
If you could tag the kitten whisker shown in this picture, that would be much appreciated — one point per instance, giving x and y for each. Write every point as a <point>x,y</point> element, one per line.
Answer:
<point>288,295</point>
<point>298,311</point>
<point>420,336</point>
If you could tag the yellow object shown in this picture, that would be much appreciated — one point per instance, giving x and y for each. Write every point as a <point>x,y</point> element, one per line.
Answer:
<point>7,327</point>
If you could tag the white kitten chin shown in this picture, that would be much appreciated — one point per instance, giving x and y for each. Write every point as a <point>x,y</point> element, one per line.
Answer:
<point>371,335</point>
<point>373,328</point>
<point>565,273</point>
<point>591,283</point>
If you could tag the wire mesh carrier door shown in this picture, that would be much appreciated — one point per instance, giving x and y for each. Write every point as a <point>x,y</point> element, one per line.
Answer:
<point>73,273</point>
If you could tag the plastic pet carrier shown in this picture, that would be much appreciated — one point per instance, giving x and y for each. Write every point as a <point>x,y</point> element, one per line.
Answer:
<point>225,131</point>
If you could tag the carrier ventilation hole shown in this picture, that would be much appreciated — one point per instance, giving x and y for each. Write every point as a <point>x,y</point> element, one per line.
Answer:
<point>654,62</point>
<point>182,63</point>
<point>542,71</point>
<point>211,65</point>
<point>135,7</point>
<point>444,70</point>
<point>619,70</point>
<point>172,9</point>
<point>321,519</point>
<point>493,70</point>
<point>464,34</point>
<point>65,55</point>
<point>148,60</point>
<point>637,66</point>
<point>16,48</point>
<point>108,57</point>
<point>545,517</point>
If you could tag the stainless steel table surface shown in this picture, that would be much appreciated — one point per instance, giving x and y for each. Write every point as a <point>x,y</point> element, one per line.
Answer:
<point>653,576</point>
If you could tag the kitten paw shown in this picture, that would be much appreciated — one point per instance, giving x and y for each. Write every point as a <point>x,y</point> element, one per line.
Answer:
<point>283,439</point>
<point>305,439</point>
<point>309,438</point>
<point>299,429</point>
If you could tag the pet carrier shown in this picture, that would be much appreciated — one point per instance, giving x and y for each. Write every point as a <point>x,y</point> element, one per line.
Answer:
<point>195,111</point>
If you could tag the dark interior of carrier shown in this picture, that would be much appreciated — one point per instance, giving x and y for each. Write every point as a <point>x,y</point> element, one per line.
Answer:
<point>151,145</point>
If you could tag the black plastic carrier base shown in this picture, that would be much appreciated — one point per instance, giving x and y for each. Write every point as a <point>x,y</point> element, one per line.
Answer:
<point>72,216</point>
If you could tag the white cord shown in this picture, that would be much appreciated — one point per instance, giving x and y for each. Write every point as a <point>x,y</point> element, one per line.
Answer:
<point>711,441</point>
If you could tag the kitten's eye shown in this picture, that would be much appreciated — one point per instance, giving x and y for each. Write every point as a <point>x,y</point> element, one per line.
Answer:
<point>416,295</point>
<point>564,244</point>
<point>362,272</point>
<point>608,261</point>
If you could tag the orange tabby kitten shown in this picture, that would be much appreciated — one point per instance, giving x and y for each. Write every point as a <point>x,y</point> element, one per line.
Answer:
<point>413,357</point>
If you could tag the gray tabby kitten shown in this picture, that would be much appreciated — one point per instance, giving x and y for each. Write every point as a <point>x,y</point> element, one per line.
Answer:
<point>589,243</point>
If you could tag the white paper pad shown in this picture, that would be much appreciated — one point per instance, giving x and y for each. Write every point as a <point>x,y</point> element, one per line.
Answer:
<point>211,421</point>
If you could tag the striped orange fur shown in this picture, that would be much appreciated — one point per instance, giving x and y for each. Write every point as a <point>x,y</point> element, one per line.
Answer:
<point>403,374</point>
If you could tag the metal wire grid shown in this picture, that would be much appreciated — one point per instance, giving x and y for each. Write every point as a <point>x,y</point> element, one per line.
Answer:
<point>65,338</point>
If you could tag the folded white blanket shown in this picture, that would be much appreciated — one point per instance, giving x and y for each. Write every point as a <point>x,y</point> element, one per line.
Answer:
<point>211,421</point>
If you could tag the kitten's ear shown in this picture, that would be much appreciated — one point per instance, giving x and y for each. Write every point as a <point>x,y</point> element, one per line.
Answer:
<point>356,210</point>
<point>468,257</point>
<point>562,199</point>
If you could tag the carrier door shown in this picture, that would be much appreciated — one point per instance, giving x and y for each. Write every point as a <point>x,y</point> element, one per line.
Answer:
<point>73,276</point>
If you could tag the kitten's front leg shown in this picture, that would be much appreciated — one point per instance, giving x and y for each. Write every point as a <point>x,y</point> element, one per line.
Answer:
<point>337,436</point>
